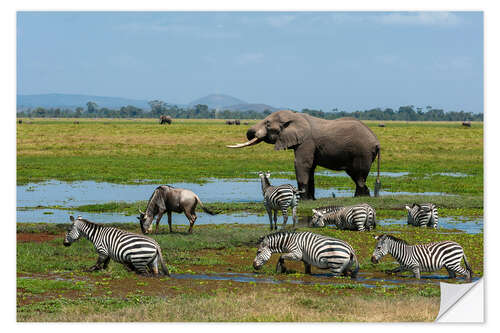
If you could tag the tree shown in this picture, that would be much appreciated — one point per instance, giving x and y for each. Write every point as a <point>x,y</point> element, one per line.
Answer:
<point>157,107</point>
<point>91,107</point>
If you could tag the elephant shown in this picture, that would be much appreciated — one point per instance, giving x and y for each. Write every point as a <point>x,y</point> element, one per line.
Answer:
<point>165,119</point>
<point>340,144</point>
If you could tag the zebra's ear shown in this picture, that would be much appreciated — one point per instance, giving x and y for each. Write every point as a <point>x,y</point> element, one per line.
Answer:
<point>72,219</point>
<point>377,237</point>
<point>407,208</point>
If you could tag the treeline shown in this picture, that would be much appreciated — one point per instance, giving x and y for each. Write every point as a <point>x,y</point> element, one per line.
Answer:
<point>200,111</point>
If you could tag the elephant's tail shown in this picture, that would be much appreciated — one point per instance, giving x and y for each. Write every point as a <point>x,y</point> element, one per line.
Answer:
<point>378,185</point>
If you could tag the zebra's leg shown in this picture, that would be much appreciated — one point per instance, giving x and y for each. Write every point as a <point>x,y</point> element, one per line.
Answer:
<point>270,214</point>
<point>294,215</point>
<point>275,218</point>
<point>280,266</point>
<point>285,217</point>
<point>153,266</point>
<point>160,215</point>
<point>307,267</point>
<point>106,263</point>
<point>129,267</point>
<point>395,270</point>
<point>416,272</point>
<point>451,274</point>
<point>99,264</point>
<point>169,214</point>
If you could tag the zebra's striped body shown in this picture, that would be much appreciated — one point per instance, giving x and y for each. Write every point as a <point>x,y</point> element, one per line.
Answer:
<point>312,249</point>
<point>423,215</point>
<point>137,252</point>
<point>279,198</point>
<point>359,217</point>
<point>418,258</point>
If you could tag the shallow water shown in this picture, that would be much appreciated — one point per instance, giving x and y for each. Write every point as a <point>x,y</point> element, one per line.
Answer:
<point>365,279</point>
<point>468,225</point>
<point>56,193</point>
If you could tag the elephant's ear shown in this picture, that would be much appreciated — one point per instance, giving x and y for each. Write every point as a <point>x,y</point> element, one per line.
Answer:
<point>294,130</point>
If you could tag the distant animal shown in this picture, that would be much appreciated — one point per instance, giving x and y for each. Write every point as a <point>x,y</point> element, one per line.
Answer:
<point>169,199</point>
<point>236,122</point>
<point>245,123</point>
<point>76,122</point>
<point>138,253</point>
<point>20,121</point>
<point>165,119</point>
<point>229,122</point>
<point>312,249</point>
<point>341,144</point>
<point>381,125</point>
<point>359,217</point>
<point>419,258</point>
<point>420,215</point>
<point>279,198</point>
<point>466,123</point>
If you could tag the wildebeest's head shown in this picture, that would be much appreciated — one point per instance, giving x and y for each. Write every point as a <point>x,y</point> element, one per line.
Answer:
<point>146,222</point>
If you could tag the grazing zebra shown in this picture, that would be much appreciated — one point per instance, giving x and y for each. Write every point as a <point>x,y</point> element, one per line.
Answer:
<point>312,249</point>
<point>423,215</point>
<point>423,257</point>
<point>279,198</point>
<point>138,253</point>
<point>357,217</point>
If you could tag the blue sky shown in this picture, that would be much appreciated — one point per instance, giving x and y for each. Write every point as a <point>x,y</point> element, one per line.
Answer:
<point>321,60</point>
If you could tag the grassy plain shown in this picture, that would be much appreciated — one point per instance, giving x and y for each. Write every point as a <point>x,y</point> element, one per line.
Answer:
<point>127,151</point>
<point>45,293</point>
<point>52,284</point>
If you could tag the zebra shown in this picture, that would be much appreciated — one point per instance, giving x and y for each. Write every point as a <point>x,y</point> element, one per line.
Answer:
<point>423,215</point>
<point>312,249</point>
<point>357,217</point>
<point>279,198</point>
<point>138,253</point>
<point>423,257</point>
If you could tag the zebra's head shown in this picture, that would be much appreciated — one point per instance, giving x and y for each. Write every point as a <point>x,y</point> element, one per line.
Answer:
<point>73,234</point>
<point>381,249</point>
<point>263,253</point>
<point>146,222</point>
<point>317,219</point>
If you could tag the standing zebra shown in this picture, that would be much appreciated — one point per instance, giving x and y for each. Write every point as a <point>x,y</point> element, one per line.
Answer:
<point>138,253</point>
<point>423,215</point>
<point>359,217</point>
<point>312,249</point>
<point>279,197</point>
<point>423,257</point>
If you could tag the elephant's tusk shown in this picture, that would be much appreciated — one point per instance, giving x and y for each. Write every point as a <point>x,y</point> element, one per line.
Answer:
<point>249,143</point>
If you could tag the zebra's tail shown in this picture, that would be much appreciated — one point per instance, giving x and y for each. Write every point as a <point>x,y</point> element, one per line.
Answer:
<point>378,184</point>
<point>205,209</point>
<point>467,266</point>
<point>162,263</point>
<point>355,271</point>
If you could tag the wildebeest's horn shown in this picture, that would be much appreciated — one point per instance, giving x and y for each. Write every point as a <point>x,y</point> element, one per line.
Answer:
<point>248,143</point>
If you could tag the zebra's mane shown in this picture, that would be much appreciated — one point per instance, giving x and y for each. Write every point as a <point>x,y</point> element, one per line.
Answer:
<point>277,233</point>
<point>89,222</point>
<point>395,239</point>
<point>329,207</point>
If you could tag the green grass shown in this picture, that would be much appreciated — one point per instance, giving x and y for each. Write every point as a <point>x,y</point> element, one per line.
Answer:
<point>194,150</point>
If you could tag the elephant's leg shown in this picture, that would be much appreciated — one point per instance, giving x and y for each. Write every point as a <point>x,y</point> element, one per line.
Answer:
<point>359,178</point>
<point>304,171</point>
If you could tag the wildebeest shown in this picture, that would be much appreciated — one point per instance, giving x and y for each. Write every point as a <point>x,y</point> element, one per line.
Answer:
<point>381,125</point>
<point>76,122</point>
<point>229,122</point>
<point>20,121</point>
<point>245,123</point>
<point>237,122</point>
<point>169,199</point>
<point>165,119</point>
<point>466,123</point>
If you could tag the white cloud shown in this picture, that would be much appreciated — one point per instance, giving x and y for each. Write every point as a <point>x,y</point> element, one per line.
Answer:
<point>420,18</point>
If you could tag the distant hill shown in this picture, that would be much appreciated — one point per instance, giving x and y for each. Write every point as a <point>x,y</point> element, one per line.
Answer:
<point>74,101</point>
<point>217,101</point>
<point>251,107</point>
